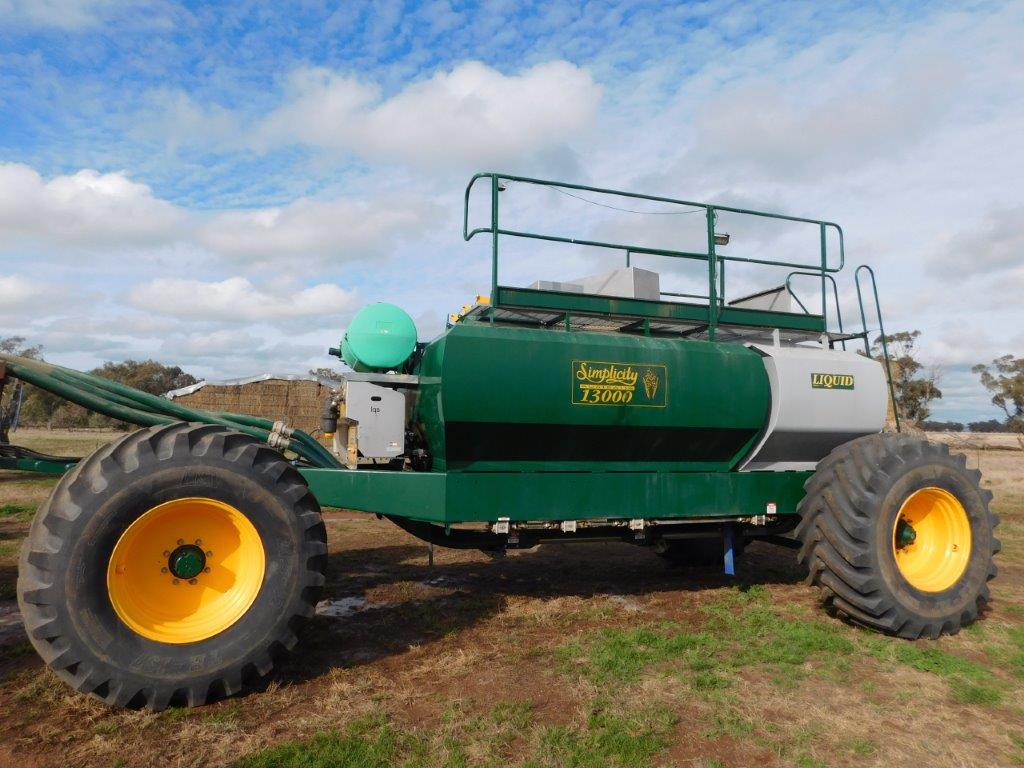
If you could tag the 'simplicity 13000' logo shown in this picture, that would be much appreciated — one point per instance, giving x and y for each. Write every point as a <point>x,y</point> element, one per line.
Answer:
<point>603,383</point>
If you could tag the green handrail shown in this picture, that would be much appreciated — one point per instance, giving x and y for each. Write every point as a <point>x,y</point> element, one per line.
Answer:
<point>714,260</point>
<point>835,293</point>
<point>881,331</point>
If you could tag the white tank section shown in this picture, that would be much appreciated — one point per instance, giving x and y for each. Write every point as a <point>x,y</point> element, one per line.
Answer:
<point>821,398</point>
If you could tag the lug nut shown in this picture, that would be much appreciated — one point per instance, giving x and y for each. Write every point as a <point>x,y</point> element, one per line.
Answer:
<point>180,542</point>
<point>163,570</point>
<point>167,553</point>
<point>209,553</point>
<point>199,542</point>
<point>192,581</point>
<point>206,569</point>
<point>174,581</point>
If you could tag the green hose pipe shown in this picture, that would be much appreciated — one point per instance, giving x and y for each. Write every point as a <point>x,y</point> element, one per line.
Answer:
<point>130,405</point>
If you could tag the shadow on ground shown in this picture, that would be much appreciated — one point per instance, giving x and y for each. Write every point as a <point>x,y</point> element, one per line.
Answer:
<point>403,601</point>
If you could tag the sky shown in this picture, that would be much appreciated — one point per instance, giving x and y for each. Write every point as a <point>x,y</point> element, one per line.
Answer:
<point>222,185</point>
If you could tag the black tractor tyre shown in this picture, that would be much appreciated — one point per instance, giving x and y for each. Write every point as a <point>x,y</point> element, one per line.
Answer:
<point>852,527</point>
<point>63,578</point>
<point>697,553</point>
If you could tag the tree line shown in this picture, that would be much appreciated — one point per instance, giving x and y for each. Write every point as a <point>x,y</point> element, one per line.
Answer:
<point>39,408</point>
<point>916,387</point>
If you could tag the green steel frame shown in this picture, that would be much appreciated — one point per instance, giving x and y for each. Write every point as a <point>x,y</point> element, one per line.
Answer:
<point>714,259</point>
<point>477,497</point>
<point>41,466</point>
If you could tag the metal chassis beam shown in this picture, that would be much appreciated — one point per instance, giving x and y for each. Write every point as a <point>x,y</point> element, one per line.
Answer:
<point>43,466</point>
<point>467,497</point>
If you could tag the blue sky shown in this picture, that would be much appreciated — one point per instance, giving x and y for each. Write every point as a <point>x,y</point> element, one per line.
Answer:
<point>222,185</point>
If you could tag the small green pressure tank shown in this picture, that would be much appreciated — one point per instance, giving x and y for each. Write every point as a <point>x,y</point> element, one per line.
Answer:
<point>380,338</point>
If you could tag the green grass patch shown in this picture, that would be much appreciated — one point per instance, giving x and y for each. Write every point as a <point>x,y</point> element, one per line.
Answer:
<point>17,512</point>
<point>967,692</point>
<point>741,630</point>
<point>761,636</point>
<point>177,714</point>
<point>106,727</point>
<point>226,716</point>
<point>1016,660</point>
<point>861,747</point>
<point>970,682</point>
<point>9,549</point>
<point>622,655</point>
<point>366,743</point>
<point>1017,756</point>
<point>609,737</point>
<point>726,721</point>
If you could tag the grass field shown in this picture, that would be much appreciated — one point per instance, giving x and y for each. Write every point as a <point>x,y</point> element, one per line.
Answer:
<point>585,656</point>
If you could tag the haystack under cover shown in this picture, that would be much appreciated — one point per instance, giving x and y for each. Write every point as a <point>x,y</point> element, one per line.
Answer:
<point>294,399</point>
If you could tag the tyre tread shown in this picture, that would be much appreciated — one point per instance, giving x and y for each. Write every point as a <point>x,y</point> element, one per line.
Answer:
<point>48,625</point>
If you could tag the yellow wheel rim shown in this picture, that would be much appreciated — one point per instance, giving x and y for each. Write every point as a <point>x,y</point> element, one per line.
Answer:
<point>931,539</point>
<point>185,570</point>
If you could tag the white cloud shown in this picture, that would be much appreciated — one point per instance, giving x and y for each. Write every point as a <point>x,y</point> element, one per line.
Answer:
<point>18,292</point>
<point>172,115</point>
<point>228,353</point>
<point>215,343</point>
<point>314,230</point>
<point>787,131</point>
<point>471,115</point>
<point>84,209</point>
<point>23,299</point>
<point>995,244</point>
<point>236,300</point>
<point>89,209</point>
<point>63,14</point>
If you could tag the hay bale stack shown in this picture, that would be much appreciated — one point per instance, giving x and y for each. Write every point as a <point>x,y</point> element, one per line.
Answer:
<point>293,399</point>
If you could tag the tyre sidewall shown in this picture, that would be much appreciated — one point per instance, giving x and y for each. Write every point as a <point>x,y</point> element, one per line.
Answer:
<point>932,472</point>
<point>74,534</point>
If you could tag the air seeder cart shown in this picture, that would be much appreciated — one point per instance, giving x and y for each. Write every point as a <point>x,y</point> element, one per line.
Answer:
<point>175,564</point>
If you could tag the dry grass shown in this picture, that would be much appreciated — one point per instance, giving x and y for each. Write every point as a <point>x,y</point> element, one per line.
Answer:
<point>539,659</point>
<point>64,442</point>
<point>982,441</point>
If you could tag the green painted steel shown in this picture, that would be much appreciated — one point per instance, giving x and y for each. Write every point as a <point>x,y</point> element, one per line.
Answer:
<point>580,302</point>
<point>380,337</point>
<point>419,495</point>
<point>499,397</point>
<point>881,334</point>
<point>42,466</point>
<point>467,497</point>
<point>714,259</point>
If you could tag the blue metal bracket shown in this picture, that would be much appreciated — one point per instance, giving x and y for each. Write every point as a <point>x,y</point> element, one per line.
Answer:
<point>730,557</point>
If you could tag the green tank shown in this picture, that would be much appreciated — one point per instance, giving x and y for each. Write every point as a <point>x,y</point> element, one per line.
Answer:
<point>499,398</point>
<point>381,337</point>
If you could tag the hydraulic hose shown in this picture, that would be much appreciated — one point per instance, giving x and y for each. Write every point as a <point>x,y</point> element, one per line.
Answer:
<point>124,403</point>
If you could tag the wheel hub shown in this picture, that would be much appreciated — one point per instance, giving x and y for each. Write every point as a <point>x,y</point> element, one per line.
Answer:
<point>905,534</point>
<point>187,561</point>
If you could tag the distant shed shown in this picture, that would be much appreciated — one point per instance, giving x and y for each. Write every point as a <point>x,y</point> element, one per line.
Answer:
<point>296,400</point>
